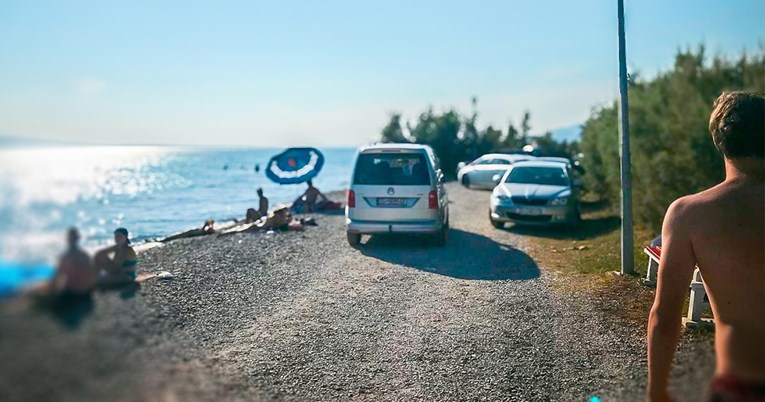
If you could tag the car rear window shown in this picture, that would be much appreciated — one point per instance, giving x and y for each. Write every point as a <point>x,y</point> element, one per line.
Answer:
<point>392,169</point>
<point>550,176</point>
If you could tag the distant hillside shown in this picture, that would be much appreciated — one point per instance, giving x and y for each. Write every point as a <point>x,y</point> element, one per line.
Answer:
<point>568,134</point>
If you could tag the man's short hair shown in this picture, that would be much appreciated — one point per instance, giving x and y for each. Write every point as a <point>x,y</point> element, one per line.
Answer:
<point>737,124</point>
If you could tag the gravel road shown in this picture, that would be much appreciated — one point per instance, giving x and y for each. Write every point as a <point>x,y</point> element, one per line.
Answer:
<point>303,317</point>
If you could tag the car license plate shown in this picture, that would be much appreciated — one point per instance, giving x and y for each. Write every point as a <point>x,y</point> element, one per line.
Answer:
<point>530,211</point>
<point>391,202</point>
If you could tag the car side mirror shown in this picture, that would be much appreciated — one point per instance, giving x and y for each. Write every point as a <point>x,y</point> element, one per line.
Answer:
<point>496,178</point>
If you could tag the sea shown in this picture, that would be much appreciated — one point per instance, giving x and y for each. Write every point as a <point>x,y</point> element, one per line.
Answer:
<point>151,191</point>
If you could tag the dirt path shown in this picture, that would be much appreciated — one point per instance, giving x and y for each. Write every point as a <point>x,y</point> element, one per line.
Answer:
<point>306,317</point>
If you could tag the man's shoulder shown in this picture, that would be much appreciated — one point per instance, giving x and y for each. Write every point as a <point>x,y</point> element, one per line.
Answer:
<point>695,206</point>
<point>74,257</point>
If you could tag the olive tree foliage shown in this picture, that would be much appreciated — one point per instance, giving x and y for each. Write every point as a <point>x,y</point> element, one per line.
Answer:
<point>672,151</point>
<point>457,138</point>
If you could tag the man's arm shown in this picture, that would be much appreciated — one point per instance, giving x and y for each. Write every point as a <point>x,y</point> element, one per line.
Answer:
<point>674,276</point>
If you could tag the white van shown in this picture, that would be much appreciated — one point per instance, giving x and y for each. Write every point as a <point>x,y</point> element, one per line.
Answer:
<point>397,188</point>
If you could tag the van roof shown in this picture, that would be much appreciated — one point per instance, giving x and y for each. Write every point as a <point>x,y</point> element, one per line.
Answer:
<point>393,148</point>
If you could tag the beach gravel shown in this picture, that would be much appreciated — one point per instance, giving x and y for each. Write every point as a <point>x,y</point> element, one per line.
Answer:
<point>305,317</point>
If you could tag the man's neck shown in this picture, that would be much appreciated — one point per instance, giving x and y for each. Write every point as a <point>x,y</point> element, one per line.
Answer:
<point>745,169</point>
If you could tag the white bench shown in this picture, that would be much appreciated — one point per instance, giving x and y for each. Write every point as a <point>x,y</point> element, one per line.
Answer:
<point>699,298</point>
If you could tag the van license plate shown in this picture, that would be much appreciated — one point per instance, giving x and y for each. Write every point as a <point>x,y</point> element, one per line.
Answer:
<point>391,202</point>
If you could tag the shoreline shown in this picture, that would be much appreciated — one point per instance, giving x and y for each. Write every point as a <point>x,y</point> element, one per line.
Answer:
<point>140,244</point>
<point>227,223</point>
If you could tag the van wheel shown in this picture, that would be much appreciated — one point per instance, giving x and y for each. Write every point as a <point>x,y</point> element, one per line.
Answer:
<point>466,181</point>
<point>354,239</point>
<point>440,238</point>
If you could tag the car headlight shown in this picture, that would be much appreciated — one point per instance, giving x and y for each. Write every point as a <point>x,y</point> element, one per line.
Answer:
<point>503,197</point>
<point>559,201</point>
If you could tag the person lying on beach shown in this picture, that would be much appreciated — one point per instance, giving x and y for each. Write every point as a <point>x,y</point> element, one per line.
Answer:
<point>252,216</point>
<point>309,200</point>
<point>279,219</point>
<point>121,268</point>
<point>720,230</point>
<point>207,228</point>
<point>75,274</point>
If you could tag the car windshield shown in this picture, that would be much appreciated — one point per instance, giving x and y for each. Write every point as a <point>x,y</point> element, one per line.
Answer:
<point>392,169</point>
<point>550,176</point>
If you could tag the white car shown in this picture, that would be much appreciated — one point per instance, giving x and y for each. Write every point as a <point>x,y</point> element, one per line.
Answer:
<point>397,188</point>
<point>485,172</point>
<point>537,193</point>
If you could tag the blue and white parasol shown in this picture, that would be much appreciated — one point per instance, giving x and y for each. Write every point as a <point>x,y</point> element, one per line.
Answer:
<point>295,165</point>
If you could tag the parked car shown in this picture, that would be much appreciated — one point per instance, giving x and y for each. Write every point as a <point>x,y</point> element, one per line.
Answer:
<point>397,188</point>
<point>537,193</point>
<point>485,172</point>
<point>572,164</point>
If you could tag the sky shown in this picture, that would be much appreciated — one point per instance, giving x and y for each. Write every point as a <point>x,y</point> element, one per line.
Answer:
<point>329,73</point>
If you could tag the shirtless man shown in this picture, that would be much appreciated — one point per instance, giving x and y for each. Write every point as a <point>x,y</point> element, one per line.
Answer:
<point>262,203</point>
<point>308,201</point>
<point>75,274</point>
<point>722,230</point>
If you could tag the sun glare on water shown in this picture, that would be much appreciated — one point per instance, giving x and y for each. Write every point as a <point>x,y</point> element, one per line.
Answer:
<point>37,186</point>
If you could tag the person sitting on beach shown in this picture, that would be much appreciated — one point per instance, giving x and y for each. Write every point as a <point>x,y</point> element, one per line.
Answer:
<point>75,274</point>
<point>207,228</point>
<point>309,200</point>
<point>252,216</point>
<point>722,230</point>
<point>262,203</point>
<point>121,268</point>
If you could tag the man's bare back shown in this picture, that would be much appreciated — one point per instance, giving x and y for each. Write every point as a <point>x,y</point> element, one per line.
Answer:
<point>722,230</point>
<point>727,233</point>
<point>76,271</point>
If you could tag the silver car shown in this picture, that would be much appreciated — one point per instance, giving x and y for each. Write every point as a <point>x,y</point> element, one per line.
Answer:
<point>536,193</point>
<point>397,188</point>
<point>485,172</point>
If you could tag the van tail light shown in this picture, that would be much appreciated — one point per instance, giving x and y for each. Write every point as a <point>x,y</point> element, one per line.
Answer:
<point>351,199</point>
<point>433,199</point>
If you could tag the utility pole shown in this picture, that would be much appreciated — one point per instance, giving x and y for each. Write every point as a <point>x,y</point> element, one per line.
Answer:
<point>628,262</point>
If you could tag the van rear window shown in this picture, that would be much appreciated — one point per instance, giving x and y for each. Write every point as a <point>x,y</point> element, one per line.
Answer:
<point>392,169</point>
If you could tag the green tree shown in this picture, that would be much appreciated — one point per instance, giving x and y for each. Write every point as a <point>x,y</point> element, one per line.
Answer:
<point>393,132</point>
<point>440,131</point>
<point>512,139</point>
<point>457,138</point>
